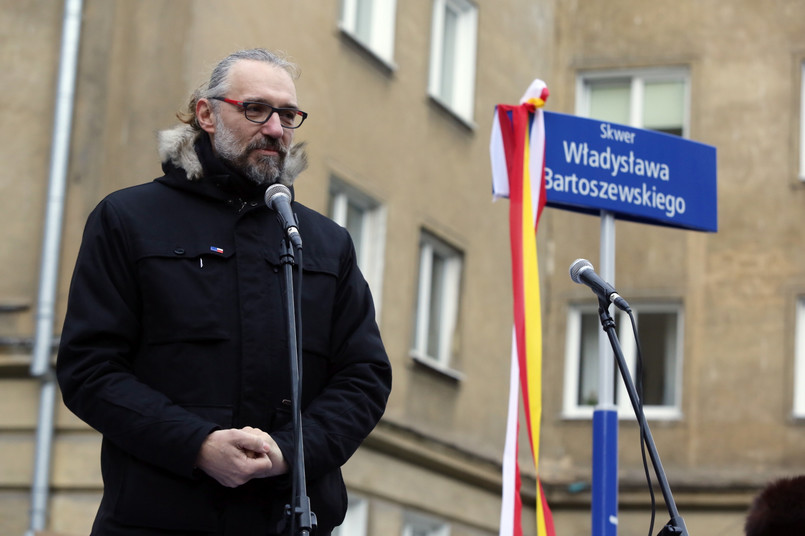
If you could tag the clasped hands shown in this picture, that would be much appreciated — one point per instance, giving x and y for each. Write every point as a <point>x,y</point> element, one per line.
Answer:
<point>234,456</point>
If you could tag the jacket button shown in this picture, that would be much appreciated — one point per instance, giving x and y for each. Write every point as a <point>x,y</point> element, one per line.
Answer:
<point>179,251</point>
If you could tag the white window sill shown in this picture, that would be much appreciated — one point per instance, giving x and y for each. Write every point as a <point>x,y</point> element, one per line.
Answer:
<point>386,63</point>
<point>466,121</point>
<point>432,364</point>
<point>653,413</point>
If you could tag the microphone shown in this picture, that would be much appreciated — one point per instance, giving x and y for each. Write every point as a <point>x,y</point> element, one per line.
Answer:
<point>582,272</point>
<point>278,199</point>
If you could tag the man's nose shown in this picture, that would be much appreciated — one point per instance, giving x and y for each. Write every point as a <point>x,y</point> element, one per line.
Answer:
<point>273,127</point>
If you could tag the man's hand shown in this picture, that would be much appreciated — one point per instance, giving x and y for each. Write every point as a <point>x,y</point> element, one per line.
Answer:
<point>233,457</point>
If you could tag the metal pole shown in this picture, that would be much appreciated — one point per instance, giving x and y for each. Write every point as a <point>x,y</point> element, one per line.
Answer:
<point>40,488</point>
<point>48,276</point>
<point>605,417</point>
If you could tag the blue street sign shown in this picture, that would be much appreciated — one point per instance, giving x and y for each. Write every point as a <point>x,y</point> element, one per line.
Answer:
<point>639,175</point>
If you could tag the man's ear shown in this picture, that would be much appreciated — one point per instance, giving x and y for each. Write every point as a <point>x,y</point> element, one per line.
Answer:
<point>204,115</point>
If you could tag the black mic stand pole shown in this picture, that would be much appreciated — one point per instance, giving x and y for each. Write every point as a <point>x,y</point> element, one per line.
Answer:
<point>303,520</point>
<point>676,526</point>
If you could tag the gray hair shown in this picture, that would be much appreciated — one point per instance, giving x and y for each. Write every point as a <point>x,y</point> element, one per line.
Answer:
<point>219,81</point>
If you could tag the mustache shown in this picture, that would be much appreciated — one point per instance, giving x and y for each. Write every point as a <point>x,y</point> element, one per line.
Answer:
<point>268,144</point>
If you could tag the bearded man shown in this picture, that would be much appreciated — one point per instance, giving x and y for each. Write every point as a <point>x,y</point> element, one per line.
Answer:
<point>175,344</point>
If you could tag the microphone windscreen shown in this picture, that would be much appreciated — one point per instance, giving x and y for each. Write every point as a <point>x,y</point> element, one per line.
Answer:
<point>273,191</point>
<point>577,267</point>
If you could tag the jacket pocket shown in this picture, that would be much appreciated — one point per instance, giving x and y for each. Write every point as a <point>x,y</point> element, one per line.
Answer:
<point>152,497</point>
<point>185,288</point>
<point>320,283</point>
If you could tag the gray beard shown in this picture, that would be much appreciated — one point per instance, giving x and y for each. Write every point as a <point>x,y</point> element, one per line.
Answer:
<point>266,170</point>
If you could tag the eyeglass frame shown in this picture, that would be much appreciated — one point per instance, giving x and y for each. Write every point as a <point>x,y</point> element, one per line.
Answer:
<point>274,109</point>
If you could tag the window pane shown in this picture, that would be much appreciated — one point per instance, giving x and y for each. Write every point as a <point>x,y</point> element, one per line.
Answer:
<point>802,124</point>
<point>658,340</point>
<point>799,360</point>
<point>356,518</point>
<point>609,100</point>
<point>355,220</point>
<point>422,526</point>
<point>332,208</point>
<point>588,360</point>
<point>664,106</point>
<point>363,20</point>
<point>449,38</point>
<point>437,285</point>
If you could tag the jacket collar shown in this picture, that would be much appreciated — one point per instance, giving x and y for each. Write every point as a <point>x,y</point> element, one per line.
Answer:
<point>188,149</point>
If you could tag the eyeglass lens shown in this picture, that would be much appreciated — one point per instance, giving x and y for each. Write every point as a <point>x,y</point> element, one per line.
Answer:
<point>259,113</point>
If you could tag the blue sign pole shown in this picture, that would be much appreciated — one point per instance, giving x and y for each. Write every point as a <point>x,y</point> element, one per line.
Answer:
<point>604,512</point>
<point>604,508</point>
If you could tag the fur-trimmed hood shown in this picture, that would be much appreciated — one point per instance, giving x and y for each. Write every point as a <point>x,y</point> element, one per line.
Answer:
<point>177,146</point>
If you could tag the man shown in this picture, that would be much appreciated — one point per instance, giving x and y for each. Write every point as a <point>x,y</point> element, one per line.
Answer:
<point>175,342</point>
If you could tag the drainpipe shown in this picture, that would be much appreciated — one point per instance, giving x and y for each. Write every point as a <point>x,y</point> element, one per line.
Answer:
<point>41,367</point>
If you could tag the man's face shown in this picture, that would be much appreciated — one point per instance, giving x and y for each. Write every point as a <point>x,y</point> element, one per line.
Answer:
<point>257,151</point>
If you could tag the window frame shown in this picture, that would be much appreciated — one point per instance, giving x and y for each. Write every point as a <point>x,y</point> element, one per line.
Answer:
<point>798,409</point>
<point>802,122</point>
<point>382,27</point>
<point>371,250</point>
<point>356,522</point>
<point>415,521</point>
<point>461,101</point>
<point>429,246</point>
<point>571,409</point>
<point>638,79</point>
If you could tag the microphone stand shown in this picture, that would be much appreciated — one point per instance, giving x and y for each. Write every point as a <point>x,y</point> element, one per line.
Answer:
<point>676,526</point>
<point>302,518</point>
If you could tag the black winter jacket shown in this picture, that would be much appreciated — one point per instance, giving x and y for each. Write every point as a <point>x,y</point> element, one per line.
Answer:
<point>175,327</point>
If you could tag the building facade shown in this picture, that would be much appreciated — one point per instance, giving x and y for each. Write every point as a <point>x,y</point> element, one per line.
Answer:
<point>721,312</point>
<point>400,97</point>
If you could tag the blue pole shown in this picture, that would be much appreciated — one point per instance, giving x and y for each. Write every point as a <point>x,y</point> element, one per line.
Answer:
<point>605,472</point>
<point>604,508</point>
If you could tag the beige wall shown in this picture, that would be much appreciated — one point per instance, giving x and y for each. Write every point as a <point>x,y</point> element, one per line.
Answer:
<point>439,447</point>
<point>738,286</point>
<point>28,56</point>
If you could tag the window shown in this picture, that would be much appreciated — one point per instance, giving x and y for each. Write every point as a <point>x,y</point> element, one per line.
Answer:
<point>420,525</point>
<point>799,361</point>
<point>437,302</point>
<point>355,523</point>
<point>371,23</point>
<point>802,125</point>
<point>660,328</point>
<point>654,99</point>
<point>452,56</point>
<point>365,220</point>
